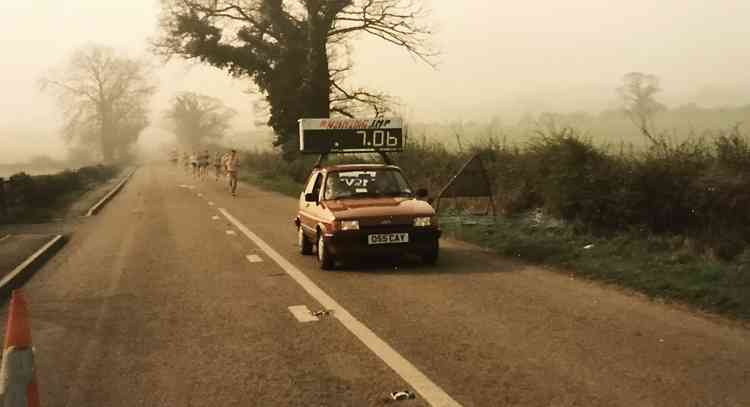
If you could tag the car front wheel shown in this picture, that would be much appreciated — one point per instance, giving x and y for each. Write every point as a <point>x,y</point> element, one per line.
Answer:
<point>325,258</point>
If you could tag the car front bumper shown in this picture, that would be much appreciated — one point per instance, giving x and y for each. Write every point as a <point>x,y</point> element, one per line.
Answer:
<point>354,243</point>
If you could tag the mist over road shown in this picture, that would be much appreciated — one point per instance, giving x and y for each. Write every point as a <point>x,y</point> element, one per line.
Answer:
<point>163,300</point>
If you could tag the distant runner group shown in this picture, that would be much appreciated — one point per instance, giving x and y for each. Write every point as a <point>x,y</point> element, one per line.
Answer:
<point>225,165</point>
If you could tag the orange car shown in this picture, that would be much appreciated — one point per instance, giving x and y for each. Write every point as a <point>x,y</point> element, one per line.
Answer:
<point>357,210</point>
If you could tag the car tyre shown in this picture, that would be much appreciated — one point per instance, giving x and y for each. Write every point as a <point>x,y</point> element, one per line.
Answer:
<point>430,257</point>
<point>325,258</point>
<point>305,245</point>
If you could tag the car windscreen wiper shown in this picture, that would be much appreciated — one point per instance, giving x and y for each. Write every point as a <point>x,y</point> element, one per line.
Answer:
<point>398,193</point>
<point>354,195</point>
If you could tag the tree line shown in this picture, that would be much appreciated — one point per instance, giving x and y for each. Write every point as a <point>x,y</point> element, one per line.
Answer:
<point>296,53</point>
<point>104,97</point>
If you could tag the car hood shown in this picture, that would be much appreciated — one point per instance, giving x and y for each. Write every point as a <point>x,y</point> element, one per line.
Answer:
<point>385,207</point>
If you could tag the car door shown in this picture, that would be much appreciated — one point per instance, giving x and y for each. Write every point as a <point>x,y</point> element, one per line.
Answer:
<point>309,211</point>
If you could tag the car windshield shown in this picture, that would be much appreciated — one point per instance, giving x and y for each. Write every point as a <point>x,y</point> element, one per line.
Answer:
<point>366,183</point>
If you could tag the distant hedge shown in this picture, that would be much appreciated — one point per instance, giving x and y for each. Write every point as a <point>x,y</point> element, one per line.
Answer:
<point>24,192</point>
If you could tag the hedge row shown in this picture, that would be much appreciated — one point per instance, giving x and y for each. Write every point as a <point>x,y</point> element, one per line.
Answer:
<point>698,188</point>
<point>25,192</point>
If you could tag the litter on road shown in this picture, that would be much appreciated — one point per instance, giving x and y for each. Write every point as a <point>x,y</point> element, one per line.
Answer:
<point>402,395</point>
<point>321,313</point>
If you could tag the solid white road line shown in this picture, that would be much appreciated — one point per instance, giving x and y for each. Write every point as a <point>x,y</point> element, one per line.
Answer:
<point>29,260</point>
<point>253,258</point>
<point>302,313</point>
<point>429,391</point>
<point>106,197</point>
<point>231,232</point>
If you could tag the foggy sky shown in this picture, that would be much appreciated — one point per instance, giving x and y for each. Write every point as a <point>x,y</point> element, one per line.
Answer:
<point>498,58</point>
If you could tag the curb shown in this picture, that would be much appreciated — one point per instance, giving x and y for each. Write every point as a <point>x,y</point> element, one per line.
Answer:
<point>23,271</point>
<point>99,205</point>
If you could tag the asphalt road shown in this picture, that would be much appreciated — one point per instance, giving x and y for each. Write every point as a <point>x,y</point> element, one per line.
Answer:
<point>153,303</point>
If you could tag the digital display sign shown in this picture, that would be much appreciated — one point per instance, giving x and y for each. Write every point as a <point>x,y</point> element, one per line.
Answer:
<point>321,136</point>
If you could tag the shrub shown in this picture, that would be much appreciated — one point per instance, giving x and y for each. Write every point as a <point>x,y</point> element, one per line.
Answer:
<point>698,188</point>
<point>26,193</point>
<point>732,151</point>
<point>428,165</point>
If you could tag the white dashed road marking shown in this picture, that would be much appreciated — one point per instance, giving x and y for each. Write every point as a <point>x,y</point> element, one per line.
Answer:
<point>302,313</point>
<point>429,391</point>
<point>231,232</point>
<point>253,258</point>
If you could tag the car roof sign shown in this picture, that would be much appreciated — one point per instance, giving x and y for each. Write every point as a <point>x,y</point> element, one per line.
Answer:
<point>323,136</point>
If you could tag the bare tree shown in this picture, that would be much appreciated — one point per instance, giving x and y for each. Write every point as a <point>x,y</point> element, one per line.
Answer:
<point>103,97</point>
<point>199,118</point>
<point>637,94</point>
<point>296,51</point>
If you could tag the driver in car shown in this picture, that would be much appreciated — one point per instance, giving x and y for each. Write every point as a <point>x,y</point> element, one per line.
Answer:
<point>335,188</point>
<point>384,184</point>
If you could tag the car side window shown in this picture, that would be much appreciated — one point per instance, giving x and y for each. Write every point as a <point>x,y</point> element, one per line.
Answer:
<point>316,186</point>
<point>311,182</point>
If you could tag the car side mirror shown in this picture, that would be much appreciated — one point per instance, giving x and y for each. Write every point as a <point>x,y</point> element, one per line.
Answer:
<point>422,193</point>
<point>310,197</point>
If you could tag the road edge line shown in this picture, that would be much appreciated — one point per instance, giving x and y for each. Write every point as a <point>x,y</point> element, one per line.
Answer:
<point>23,271</point>
<point>429,391</point>
<point>99,205</point>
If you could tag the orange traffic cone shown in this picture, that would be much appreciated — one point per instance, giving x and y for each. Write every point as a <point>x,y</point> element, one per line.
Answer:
<point>18,361</point>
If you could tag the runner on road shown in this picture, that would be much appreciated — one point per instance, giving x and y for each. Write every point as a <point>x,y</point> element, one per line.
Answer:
<point>205,158</point>
<point>194,164</point>
<point>224,159</point>
<point>218,165</point>
<point>186,161</point>
<point>232,165</point>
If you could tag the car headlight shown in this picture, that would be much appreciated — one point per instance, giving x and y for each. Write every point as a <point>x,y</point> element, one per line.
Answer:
<point>349,225</point>
<point>423,221</point>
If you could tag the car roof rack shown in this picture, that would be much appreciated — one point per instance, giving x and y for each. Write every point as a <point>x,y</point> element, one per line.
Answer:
<point>386,159</point>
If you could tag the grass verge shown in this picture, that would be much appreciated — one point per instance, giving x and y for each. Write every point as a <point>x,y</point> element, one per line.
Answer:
<point>42,198</point>
<point>658,266</point>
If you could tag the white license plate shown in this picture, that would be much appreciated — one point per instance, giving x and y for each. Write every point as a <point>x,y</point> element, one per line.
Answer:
<point>388,238</point>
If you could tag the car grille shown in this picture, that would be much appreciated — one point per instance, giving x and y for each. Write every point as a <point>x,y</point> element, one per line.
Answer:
<point>387,228</point>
